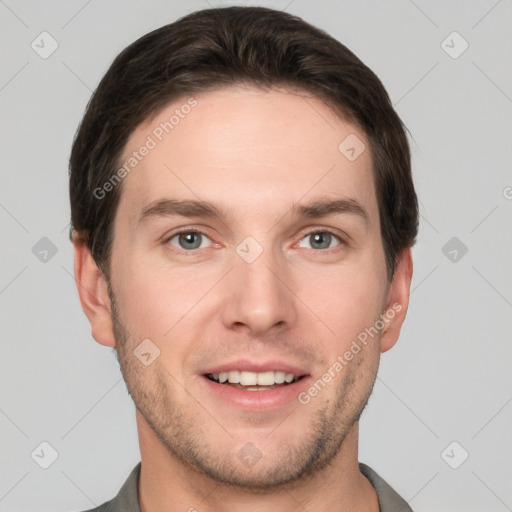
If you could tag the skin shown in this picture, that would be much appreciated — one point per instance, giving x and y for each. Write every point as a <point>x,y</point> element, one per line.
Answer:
<point>254,153</point>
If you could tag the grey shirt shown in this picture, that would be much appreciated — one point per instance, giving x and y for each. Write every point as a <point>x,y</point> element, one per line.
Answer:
<point>127,500</point>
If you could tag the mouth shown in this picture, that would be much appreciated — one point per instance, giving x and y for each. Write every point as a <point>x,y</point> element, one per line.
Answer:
<point>254,381</point>
<point>255,391</point>
<point>251,386</point>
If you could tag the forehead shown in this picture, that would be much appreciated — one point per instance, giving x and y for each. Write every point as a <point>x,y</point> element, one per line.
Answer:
<point>250,149</point>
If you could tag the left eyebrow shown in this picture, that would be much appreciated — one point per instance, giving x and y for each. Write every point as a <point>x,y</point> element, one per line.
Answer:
<point>324,208</point>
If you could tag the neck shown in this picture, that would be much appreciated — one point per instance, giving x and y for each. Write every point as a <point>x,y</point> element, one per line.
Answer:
<point>166,484</point>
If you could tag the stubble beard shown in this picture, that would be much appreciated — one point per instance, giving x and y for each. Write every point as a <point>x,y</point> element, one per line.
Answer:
<point>177,429</point>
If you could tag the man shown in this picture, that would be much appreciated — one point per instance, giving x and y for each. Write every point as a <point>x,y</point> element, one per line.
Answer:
<point>243,214</point>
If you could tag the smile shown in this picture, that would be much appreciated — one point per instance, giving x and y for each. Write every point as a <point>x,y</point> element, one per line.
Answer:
<point>253,381</point>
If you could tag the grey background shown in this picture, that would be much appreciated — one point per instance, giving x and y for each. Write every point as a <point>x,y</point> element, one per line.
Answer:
<point>448,379</point>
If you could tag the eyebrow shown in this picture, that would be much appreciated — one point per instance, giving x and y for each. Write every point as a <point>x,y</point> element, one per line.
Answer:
<point>192,208</point>
<point>324,208</point>
<point>184,208</point>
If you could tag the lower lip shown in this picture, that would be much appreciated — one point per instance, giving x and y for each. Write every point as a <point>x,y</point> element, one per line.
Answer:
<point>257,400</point>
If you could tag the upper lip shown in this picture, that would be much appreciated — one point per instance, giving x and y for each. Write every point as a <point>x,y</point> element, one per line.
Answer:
<point>256,367</point>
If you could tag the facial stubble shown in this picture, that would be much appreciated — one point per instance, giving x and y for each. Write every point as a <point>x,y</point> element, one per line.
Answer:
<point>176,426</point>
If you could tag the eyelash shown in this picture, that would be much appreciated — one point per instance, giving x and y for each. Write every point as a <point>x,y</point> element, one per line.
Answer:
<point>309,233</point>
<point>329,250</point>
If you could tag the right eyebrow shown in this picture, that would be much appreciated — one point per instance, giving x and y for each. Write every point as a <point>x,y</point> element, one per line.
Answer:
<point>184,208</point>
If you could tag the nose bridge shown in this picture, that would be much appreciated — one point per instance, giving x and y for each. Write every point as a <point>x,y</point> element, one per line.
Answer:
<point>258,297</point>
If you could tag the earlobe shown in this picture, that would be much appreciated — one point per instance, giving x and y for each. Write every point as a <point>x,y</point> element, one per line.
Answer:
<point>398,300</point>
<point>93,293</point>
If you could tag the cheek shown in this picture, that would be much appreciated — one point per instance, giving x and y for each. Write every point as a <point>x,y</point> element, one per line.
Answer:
<point>145,300</point>
<point>161,303</point>
<point>347,302</point>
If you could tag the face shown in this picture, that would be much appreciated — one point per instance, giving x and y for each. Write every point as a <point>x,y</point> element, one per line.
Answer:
<point>247,246</point>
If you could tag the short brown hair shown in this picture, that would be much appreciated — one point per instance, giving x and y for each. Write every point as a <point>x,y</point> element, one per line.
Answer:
<point>220,47</point>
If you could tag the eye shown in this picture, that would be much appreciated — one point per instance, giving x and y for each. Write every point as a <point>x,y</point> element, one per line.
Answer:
<point>189,240</point>
<point>321,240</point>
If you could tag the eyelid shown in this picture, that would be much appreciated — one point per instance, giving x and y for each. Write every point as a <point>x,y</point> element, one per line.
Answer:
<point>312,231</point>
<point>168,237</point>
<point>184,229</point>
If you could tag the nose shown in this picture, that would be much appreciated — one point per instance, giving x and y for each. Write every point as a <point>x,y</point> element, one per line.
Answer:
<point>258,295</point>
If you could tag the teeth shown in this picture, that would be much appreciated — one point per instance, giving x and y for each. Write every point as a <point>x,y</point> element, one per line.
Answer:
<point>234,377</point>
<point>279,377</point>
<point>288,377</point>
<point>265,379</point>
<point>248,378</point>
<point>253,378</point>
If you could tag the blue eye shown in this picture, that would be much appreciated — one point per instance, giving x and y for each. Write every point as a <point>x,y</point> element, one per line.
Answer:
<point>321,240</point>
<point>189,240</point>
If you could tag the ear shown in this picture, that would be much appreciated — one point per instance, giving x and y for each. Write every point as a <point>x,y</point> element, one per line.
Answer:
<point>93,292</point>
<point>397,301</point>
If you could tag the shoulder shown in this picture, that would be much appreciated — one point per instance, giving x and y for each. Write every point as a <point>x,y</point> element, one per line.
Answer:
<point>389,499</point>
<point>106,507</point>
<point>127,499</point>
